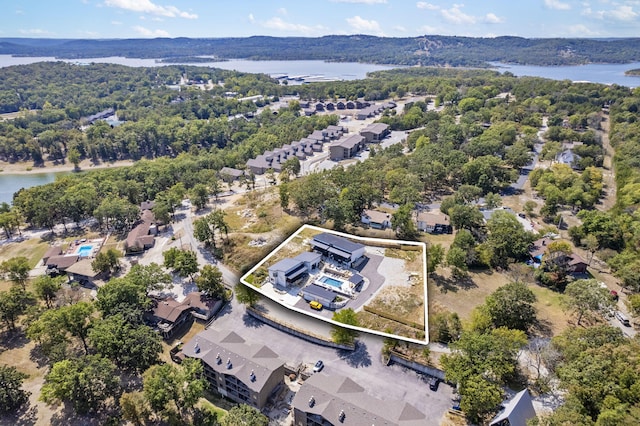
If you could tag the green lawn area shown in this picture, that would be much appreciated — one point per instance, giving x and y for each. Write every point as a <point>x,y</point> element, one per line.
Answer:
<point>550,314</point>
<point>33,249</point>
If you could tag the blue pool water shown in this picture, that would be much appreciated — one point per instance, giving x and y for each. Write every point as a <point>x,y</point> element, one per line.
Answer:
<point>85,251</point>
<point>331,281</point>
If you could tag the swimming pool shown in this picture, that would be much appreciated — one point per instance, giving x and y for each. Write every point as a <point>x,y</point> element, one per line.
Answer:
<point>84,250</point>
<point>331,281</point>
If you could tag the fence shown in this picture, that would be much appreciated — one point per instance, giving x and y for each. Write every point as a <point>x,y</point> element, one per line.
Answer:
<point>287,328</point>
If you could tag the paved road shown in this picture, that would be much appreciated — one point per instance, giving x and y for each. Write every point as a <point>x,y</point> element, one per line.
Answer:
<point>230,277</point>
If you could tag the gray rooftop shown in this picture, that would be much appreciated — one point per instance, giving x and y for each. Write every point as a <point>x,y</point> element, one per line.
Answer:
<point>308,256</point>
<point>337,242</point>
<point>517,411</point>
<point>285,264</point>
<point>223,349</point>
<point>350,141</point>
<point>332,395</point>
<point>321,292</point>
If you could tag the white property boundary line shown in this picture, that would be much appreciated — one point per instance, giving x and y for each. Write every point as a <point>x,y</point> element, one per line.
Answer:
<point>243,280</point>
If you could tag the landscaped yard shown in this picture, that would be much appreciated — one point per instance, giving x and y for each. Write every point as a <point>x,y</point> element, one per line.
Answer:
<point>33,249</point>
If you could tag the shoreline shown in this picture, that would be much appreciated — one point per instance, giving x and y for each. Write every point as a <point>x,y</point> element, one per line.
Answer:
<point>49,167</point>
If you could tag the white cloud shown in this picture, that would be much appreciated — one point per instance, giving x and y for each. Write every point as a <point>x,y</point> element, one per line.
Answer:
<point>279,24</point>
<point>400,28</point>
<point>251,18</point>
<point>428,6</point>
<point>361,1</point>
<point>19,12</point>
<point>150,33</point>
<point>427,29</point>
<point>36,31</point>
<point>282,11</point>
<point>91,34</point>
<point>580,30</point>
<point>621,13</point>
<point>363,25</point>
<point>557,5</point>
<point>116,23</point>
<point>147,6</point>
<point>456,16</point>
<point>492,18</point>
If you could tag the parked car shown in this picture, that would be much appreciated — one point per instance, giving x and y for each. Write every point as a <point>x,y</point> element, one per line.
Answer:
<point>318,366</point>
<point>433,383</point>
<point>623,319</point>
<point>315,305</point>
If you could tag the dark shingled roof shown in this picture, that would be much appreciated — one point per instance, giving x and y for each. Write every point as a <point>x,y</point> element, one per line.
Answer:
<point>333,395</point>
<point>337,242</point>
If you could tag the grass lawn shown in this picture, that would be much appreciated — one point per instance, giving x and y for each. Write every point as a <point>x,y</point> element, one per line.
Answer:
<point>33,249</point>
<point>447,294</point>
<point>553,320</point>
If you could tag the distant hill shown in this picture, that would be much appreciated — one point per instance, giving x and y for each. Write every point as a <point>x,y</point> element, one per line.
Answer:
<point>424,50</point>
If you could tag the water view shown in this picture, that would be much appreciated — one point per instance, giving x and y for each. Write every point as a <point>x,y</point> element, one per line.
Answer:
<point>12,183</point>
<point>596,73</point>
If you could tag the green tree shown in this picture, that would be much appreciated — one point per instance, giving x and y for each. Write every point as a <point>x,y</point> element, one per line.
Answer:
<point>492,355</point>
<point>150,277</point>
<point>107,262</point>
<point>134,347</point>
<point>73,155</point>
<point>511,306</point>
<point>435,256</point>
<point>344,335</point>
<point>481,397</point>
<point>457,261</point>
<point>246,295</point>
<point>12,396</point>
<point>134,408</point>
<point>244,415</point>
<point>402,222</point>
<point>46,288</point>
<point>466,217</point>
<point>210,282</point>
<point>167,387</point>
<point>123,296</point>
<point>199,196</point>
<point>17,270</point>
<point>87,383</point>
<point>13,303</point>
<point>587,297</point>
<point>507,239</point>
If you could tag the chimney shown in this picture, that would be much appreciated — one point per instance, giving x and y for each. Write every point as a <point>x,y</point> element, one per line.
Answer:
<point>218,359</point>
<point>229,365</point>
<point>196,348</point>
<point>312,401</point>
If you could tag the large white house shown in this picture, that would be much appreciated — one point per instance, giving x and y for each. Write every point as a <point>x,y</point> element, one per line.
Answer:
<point>287,271</point>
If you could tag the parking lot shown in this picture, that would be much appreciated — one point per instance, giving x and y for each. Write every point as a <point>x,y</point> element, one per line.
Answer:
<point>364,365</point>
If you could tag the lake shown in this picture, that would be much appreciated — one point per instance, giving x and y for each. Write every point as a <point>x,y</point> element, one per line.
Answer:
<point>11,183</point>
<point>596,73</point>
<point>328,70</point>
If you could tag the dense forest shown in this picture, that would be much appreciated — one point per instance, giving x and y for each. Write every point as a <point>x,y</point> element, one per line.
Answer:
<point>475,147</point>
<point>425,50</point>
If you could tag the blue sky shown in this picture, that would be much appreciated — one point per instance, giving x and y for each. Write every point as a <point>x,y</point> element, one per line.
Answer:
<point>391,18</point>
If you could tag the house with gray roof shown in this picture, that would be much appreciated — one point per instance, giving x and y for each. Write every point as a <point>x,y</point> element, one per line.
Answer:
<point>338,400</point>
<point>376,219</point>
<point>516,412</point>
<point>346,147</point>
<point>338,248</point>
<point>375,132</point>
<point>289,271</point>
<point>229,174</point>
<point>244,372</point>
